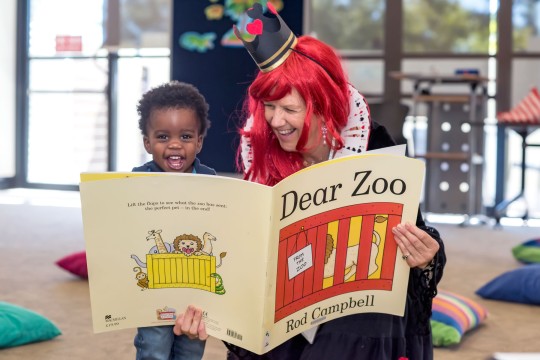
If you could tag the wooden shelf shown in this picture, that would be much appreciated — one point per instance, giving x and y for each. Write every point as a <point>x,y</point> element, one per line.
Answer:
<point>444,156</point>
<point>439,78</point>
<point>443,98</point>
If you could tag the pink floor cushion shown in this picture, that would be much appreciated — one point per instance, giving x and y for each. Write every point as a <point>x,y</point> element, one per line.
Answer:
<point>75,264</point>
<point>452,316</point>
<point>19,326</point>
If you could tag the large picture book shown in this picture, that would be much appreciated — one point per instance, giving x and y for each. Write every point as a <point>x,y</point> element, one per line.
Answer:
<point>264,263</point>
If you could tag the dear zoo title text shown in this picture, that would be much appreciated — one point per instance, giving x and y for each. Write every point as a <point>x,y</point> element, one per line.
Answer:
<point>365,183</point>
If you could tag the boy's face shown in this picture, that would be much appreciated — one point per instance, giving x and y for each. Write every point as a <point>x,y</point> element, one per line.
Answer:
<point>173,139</point>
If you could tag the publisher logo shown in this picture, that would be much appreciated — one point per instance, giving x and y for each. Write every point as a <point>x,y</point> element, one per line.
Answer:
<point>166,313</point>
<point>111,321</point>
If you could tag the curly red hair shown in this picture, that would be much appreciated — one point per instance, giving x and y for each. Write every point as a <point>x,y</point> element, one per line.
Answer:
<point>323,85</point>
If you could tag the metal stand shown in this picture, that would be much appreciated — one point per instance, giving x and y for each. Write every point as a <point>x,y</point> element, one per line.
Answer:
<point>523,131</point>
<point>454,158</point>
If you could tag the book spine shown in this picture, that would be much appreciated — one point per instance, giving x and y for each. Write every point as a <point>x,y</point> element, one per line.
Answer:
<point>270,256</point>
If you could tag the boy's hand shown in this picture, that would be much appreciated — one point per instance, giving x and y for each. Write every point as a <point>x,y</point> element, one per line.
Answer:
<point>190,323</point>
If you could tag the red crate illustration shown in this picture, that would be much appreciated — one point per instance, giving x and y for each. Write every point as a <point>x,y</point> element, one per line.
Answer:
<point>343,250</point>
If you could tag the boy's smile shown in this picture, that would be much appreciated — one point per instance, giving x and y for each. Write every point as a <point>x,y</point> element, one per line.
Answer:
<point>173,139</point>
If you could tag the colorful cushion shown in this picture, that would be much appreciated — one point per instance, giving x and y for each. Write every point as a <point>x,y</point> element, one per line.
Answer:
<point>19,326</point>
<point>521,285</point>
<point>75,264</point>
<point>456,311</point>
<point>528,252</point>
<point>444,335</point>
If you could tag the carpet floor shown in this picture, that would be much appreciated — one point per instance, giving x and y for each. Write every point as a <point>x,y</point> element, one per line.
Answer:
<point>38,229</point>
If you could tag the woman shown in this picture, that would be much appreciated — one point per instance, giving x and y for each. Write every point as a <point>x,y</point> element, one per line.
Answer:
<point>303,111</point>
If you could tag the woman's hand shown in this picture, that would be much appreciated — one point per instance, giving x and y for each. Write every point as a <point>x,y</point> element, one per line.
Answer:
<point>417,246</point>
<point>190,323</point>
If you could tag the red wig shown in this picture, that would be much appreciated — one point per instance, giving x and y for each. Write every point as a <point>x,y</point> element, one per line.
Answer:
<point>315,71</point>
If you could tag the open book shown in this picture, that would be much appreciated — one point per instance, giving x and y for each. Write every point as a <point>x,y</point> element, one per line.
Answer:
<point>264,263</point>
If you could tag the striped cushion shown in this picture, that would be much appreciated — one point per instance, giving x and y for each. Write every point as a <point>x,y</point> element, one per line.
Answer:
<point>526,112</point>
<point>444,335</point>
<point>457,311</point>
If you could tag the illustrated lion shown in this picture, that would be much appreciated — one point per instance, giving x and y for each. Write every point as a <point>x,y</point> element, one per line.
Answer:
<point>188,245</point>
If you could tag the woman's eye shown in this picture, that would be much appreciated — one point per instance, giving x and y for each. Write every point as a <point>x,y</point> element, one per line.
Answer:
<point>269,106</point>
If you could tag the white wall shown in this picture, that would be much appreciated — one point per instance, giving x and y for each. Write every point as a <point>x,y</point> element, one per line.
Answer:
<point>8,35</point>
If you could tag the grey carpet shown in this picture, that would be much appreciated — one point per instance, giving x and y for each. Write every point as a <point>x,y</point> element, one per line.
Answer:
<point>34,237</point>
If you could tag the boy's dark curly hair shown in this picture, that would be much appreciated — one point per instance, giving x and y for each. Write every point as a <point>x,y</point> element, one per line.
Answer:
<point>173,95</point>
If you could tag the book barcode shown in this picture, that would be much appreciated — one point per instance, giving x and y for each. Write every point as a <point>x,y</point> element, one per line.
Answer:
<point>234,334</point>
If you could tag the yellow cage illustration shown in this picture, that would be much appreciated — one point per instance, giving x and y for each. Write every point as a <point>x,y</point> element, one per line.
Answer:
<point>181,271</point>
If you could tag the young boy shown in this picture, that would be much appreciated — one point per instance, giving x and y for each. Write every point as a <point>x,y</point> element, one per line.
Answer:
<point>173,121</point>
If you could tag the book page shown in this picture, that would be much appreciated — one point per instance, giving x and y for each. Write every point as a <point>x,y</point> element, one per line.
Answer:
<point>158,243</point>
<point>332,249</point>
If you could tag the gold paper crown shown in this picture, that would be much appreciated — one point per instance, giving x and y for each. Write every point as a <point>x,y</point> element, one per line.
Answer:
<point>273,40</point>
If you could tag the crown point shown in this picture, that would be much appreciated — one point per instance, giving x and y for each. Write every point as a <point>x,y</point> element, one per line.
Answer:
<point>271,8</point>
<point>256,11</point>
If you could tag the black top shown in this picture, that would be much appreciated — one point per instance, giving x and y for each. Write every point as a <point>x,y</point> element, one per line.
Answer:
<point>373,335</point>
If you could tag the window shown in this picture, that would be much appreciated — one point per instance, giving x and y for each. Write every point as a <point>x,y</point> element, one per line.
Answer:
<point>526,25</point>
<point>349,24</point>
<point>7,88</point>
<point>70,65</point>
<point>67,103</point>
<point>356,29</point>
<point>446,26</point>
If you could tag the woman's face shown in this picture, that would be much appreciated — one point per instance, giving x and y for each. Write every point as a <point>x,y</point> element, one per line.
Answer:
<point>286,117</point>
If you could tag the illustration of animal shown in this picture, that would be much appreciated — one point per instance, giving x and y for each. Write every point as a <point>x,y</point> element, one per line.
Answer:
<point>207,243</point>
<point>153,250</point>
<point>156,236</point>
<point>220,289</point>
<point>208,247</point>
<point>352,255</point>
<point>188,245</point>
<point>142,278</point>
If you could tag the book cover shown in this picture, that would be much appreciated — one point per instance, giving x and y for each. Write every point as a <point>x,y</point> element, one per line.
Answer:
<point>264,263</point>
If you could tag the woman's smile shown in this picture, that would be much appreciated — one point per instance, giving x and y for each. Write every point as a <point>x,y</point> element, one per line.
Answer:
<point>284,133</point>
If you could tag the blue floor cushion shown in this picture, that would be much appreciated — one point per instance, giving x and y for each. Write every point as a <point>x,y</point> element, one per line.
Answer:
<point>521,285</point>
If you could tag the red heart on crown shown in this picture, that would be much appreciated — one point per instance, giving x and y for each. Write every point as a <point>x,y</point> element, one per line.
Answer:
<point>255,28</point>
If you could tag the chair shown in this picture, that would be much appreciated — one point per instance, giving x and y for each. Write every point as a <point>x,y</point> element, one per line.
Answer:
<point>524,119</point>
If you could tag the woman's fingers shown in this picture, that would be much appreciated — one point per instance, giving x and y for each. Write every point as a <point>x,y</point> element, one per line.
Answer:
<point>417,246</point>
